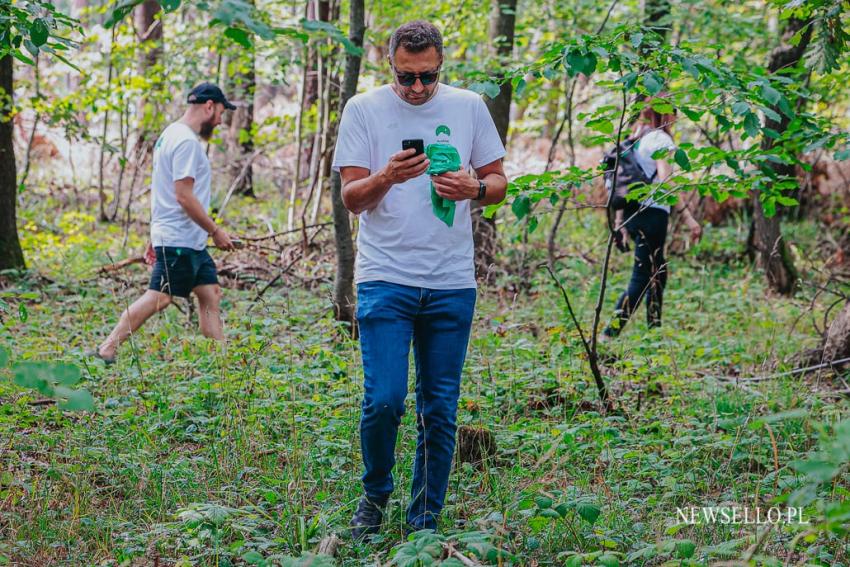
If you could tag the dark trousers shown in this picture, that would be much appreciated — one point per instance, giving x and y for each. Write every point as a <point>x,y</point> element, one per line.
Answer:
<point>648,231</point>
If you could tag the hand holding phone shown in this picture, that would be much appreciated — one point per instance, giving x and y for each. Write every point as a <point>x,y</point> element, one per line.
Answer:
<point>417,144</point>
<point>403,167</point>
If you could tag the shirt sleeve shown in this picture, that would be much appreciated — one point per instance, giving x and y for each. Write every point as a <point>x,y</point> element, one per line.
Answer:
<point>352,144</point>
<point>186,160</point>
<point>657,140</point>
<point>486,144</point>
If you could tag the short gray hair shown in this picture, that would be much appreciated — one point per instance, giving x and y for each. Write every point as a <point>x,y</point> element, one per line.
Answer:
<point>416,37</point>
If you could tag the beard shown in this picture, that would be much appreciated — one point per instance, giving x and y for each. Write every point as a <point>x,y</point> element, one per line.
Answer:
<point>206,131</point>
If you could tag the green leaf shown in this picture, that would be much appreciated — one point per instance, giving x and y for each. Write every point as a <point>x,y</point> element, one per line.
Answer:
<point>169,5</point>
<point>740,108</point>
<point>253,557</point>
<point>685,548</point>
<point>34,375</point>
<point>819,471</point>
<point>694,115</point>
<point>682,159</point>
<point>653,82</point>
<point>629,80</point>
<point>239,36</point>
<point>23,58</point>
<point>32,48</point>
<point>120,11</point>
<point>636,38</point>
<point>608,560</point>
<point>75,400</point>
<point>4,357</point>
<point>589,512</point>
<point>580,62</point>
<point>333,32</point>
<point>490,210</point>
<point>842,155</point>
<point>518,84</point>
<point>488,88</point>
<point>785,108</point>
<point>521,206</point>
<point>39,32</point>
<point>661,106</point>
<point>752,125</point>
<point>543,502</point>
<point>65,374</point>
<point>770,94</point>
<point>23,314</point>
<point>601,125</point>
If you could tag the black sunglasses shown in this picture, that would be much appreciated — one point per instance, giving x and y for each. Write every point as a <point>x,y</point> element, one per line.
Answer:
<point>409,79</point>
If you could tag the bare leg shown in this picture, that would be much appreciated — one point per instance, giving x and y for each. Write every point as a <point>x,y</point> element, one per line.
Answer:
<point>133,318</point>
<point>209,312</point>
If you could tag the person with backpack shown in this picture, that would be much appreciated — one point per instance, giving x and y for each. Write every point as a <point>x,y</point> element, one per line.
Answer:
<point>644,221</point>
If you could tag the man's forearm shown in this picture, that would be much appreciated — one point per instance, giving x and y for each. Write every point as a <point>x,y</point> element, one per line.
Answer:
<point>365,194</point>
<point>196,212</point>
<point>496,188</point>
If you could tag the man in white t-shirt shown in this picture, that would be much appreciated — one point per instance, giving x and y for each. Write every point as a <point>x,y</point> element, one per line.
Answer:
<point>180,225</point>
<point>414,271</point>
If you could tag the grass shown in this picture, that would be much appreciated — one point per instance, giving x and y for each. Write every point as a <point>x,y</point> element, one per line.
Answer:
<point>202,455</point>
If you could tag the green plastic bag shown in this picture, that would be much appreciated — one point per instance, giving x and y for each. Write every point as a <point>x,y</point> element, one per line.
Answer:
<point>443,158</point>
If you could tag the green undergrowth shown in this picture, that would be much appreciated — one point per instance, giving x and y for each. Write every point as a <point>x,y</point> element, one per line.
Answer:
<point>197,454</point>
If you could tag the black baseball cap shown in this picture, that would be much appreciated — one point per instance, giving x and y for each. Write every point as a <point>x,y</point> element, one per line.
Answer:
<point>208,91</point>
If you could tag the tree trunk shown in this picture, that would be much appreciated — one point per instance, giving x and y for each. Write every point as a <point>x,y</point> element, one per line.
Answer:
<point>242,87</point>
<point>149,32</point>
<point>773,253</point>
<point>344,280</point>
<point>656,16</point>
<point>837,343</point>
<point>502,24</point>
<point>11,255</point>
<point>314,10</point>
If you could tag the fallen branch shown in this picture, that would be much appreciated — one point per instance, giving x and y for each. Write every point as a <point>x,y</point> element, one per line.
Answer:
<point>763,378</point>
<point>114,267</point>
<point>461,557</point>
<point>276,234</point>
<point>277,277</point>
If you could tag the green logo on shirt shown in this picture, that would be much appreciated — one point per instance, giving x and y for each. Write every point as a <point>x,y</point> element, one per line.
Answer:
<point>442,128</point>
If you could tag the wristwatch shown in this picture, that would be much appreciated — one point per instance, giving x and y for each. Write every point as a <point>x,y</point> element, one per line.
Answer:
<point>482,190</point>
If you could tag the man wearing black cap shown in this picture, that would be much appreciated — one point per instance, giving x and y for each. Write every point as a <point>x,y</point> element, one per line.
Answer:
<point>180,225</point>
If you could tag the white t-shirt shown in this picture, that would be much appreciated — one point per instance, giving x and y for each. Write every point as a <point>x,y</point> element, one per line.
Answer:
<point>178,154</point>
<point>650,143</point>
<point>401,240</point>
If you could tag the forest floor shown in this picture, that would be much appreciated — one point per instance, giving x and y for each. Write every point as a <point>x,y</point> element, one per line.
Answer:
<point>249,454</point>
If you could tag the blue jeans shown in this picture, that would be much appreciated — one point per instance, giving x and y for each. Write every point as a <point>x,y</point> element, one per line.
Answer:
<point>438,322</point>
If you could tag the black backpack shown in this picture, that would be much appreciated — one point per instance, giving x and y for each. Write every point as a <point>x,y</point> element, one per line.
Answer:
<point>629,173</point>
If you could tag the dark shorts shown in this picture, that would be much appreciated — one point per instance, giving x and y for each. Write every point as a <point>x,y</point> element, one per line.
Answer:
<point>178,271</point>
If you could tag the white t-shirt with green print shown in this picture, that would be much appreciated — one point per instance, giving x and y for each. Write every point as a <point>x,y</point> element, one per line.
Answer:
<point>401,241</point>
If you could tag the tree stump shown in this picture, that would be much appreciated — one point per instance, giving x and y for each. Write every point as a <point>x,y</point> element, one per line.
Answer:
<point>475,445</point>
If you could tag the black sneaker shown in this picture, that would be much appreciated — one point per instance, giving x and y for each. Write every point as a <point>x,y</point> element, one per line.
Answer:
<point>368,517</point>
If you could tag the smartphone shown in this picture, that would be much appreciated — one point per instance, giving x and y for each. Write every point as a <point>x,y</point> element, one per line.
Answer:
<point>419,145</point>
